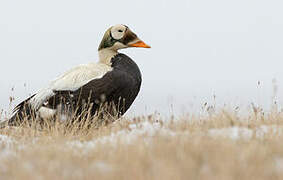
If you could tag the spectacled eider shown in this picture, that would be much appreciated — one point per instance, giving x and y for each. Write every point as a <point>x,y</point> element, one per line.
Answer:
<point>115,79</point>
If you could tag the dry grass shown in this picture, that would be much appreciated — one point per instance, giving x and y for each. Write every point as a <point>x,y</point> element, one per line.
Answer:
<point>218,145</point>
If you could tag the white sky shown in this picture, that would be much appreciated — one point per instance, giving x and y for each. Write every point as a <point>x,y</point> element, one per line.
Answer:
<point>199,47</point>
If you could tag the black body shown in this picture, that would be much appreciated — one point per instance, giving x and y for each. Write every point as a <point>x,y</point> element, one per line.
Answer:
<point>117,88</point>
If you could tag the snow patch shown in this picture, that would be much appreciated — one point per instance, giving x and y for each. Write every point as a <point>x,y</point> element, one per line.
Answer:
<point>232,133</point>
<point>6,147</point>
<point>236,133</point>
<point>146,129</point>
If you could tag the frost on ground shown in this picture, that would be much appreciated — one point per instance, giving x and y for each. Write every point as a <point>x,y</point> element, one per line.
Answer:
<point>236,133</point>
<point>6,144</point>
<point>147,130</point>
<point>211,147</point>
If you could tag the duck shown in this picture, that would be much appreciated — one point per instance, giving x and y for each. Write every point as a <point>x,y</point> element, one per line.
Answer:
<point>115,80</point>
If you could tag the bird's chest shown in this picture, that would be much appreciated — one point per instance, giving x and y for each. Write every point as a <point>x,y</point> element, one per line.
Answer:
<point>127,86</point>
<point>128,78</point>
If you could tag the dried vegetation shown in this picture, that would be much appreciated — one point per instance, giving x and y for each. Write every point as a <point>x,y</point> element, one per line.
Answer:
<point>218,144</point>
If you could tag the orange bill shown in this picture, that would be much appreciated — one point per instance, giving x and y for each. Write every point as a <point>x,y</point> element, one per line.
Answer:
<point>140,44</point>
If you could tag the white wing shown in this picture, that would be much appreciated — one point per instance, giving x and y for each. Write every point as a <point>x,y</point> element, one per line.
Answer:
<point>71,80</point>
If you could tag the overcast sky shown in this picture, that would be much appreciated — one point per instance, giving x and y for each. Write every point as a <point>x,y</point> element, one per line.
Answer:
<point>199,48</point>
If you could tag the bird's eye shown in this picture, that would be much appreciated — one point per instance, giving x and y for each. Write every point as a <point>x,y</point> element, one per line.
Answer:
<point>120,30</point>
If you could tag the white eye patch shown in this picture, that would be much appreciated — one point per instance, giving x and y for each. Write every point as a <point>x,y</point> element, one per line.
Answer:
<point>118,31</point>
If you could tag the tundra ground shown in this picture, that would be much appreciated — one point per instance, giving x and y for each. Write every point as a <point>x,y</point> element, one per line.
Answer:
<point>217,145</point>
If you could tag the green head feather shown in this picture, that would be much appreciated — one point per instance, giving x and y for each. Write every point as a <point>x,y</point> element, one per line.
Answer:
<point>107,40</point>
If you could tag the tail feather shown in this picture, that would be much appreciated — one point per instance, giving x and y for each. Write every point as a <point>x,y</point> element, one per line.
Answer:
<point>21,112</point>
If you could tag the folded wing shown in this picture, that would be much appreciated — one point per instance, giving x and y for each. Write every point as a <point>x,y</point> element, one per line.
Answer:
<point>70,81</point>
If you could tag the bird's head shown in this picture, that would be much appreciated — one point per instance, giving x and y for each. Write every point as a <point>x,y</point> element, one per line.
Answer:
<point>120,37</point>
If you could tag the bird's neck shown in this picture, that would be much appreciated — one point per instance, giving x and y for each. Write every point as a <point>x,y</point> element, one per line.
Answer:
<point>105,55</point>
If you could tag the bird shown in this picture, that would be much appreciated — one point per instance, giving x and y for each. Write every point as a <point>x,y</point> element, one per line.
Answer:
<point>114,80</point>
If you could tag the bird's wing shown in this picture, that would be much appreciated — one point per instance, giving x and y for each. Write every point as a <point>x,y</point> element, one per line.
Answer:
<point>70,81</point>
<point>97,90</point>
